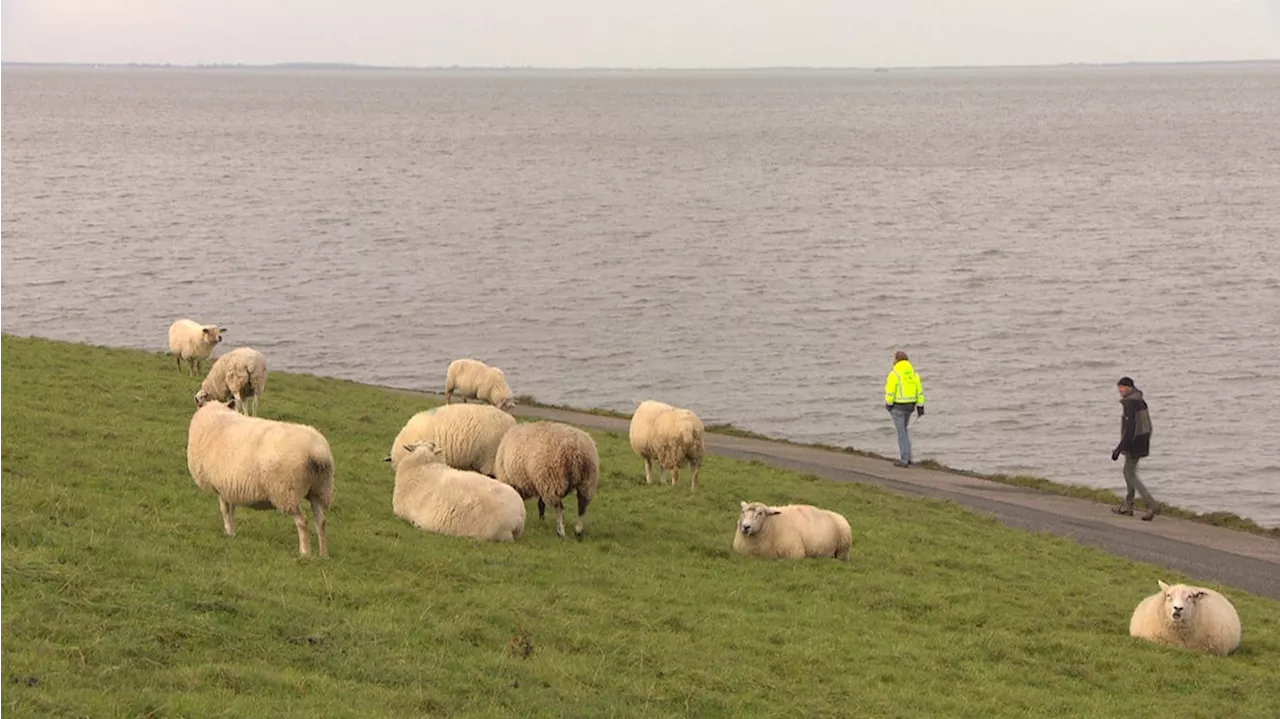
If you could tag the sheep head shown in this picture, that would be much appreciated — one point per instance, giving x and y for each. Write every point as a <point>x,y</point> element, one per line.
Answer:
<point>752,517</point>
<point>425,448</point>
<point>1180,601</point>
<point>213,333</point>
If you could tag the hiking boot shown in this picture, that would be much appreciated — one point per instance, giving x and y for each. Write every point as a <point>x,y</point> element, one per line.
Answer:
<point>1151,513</point>
<point>1122,509</point>
<point>900,463</point>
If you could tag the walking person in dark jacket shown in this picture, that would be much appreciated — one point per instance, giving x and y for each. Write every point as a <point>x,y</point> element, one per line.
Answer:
<point>1135,443</point>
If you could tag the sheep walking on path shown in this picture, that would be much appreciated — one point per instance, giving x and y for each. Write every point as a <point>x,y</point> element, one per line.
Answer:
<point>261,464</point>
<point>1190,617</point>
<point>548,460</point>
<point>193,342</point>
<point>793,531</point>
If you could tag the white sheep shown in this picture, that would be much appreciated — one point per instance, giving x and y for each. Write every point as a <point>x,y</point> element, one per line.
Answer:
<point>670,435</point>
<point>261,464</point>
<point>793,531</point>
<point>473,379</point>
<point>238,374</point>
<point>467,435</point>
<point>1191,617</point>
<point>193,342</point>
<point>548,460</point>
<point>435,497</point>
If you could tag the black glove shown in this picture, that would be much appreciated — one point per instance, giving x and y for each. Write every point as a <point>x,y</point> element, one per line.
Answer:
<point>1115,455</point>
<point>889,407</point>
<point>919,410</point>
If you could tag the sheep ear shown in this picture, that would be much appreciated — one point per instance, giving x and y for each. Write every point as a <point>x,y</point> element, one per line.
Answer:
<point>742,505</point>
<point>1163,586</point>
<point>1198,594</point>
<point>407,447</point>
<point>771,511</point>
<point>386,458</point>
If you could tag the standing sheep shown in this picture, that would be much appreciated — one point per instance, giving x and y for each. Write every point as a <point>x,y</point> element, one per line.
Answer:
<point>793,531</point>
<point>548,460</point>
<point>435,497</point>
<point>670,435</point>
<point>475,379</point>
<point>261,464</point>
<point>467,435</point>
<point>1191,617</point>
<point>240,373</point>
<point>193,342</point>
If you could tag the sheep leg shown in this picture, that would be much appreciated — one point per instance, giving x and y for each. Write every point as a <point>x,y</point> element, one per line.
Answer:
<point>647,469</point>
<point>255,405</point>
<point>304,536</point>
<point>693,481</point>
<point>448,395</point>
<point>583,501</point>
<point>675,475</point>
<point>228,516</point>
<point>559,505</point>
<point>177,358</point>
<point>542,508</point>
<point>240,403</point>
<point>318,510</point>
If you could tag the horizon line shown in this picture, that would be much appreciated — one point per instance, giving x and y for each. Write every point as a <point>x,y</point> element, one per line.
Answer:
<point>322,65</point>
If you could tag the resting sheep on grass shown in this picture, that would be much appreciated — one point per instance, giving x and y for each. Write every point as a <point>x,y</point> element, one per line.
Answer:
<point>238,374</point>
<point>261,464</point>
<point>1191,617</point>
<point>467,435</point>
<point>435,497</point>
<point>670,435</point>
<point>475,379</point>
<point>548,460</point>
<point>793,531</point>
<point>193,342</point>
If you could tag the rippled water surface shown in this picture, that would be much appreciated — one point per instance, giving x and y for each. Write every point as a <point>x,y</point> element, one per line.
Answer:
<point>752,245</point>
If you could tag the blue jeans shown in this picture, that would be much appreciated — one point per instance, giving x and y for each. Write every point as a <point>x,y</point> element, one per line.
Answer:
<point>901,414</point>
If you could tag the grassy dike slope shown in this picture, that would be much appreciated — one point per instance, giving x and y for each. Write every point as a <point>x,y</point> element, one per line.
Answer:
<point>122,597</point>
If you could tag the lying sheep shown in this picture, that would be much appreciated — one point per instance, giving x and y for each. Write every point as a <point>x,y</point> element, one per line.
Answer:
<point>193,342</point>
<point>671,435</point>
<point>261,464</point>
<point>475,379</point>
<point>240,373</point>
<point>435,497</point>
<point>793,531</point>
<point>467,435</point>
<point>1191,617</point>
<point>548,460</point>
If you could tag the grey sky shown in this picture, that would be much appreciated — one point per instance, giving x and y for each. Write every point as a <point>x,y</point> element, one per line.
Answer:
<point>640,33</point>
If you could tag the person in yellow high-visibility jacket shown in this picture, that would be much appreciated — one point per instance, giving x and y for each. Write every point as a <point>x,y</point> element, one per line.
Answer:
<point>903,394</point>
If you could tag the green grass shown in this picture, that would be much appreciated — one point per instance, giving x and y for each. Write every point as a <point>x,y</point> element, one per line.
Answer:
<point>122,597</point>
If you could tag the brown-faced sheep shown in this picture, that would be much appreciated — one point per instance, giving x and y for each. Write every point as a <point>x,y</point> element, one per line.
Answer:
<point>548,460</point>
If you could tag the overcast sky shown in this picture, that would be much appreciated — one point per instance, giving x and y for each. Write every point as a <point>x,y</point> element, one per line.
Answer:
<point>640,33</point>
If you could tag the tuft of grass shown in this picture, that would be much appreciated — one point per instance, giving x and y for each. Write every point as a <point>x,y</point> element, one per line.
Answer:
<point>123,597</point>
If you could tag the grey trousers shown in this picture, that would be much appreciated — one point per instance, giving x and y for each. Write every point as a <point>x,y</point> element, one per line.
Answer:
<point>1133,483</point>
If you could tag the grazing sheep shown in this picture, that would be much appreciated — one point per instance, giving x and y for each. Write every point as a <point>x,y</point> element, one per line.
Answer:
<point>1191,617</point>
<point>435,497</point>
<point>670,435</point>
<point>240,373</point>
<point>467,435</point>
<point>793,531</point>
<point>261,464</point>
<point>193,342</point>
<point>475,379</point>
<point>548,460</point>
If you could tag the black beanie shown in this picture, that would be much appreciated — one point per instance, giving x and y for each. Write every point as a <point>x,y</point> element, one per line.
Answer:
<point>1125,382</point>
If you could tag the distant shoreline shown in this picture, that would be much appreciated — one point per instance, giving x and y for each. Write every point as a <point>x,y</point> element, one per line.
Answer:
<point>337,66</point>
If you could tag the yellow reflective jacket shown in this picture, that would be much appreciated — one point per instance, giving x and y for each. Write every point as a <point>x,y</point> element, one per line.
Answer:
<point>903,385</point>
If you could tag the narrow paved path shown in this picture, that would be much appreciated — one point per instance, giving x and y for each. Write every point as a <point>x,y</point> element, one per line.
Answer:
<point>1207,553</point>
